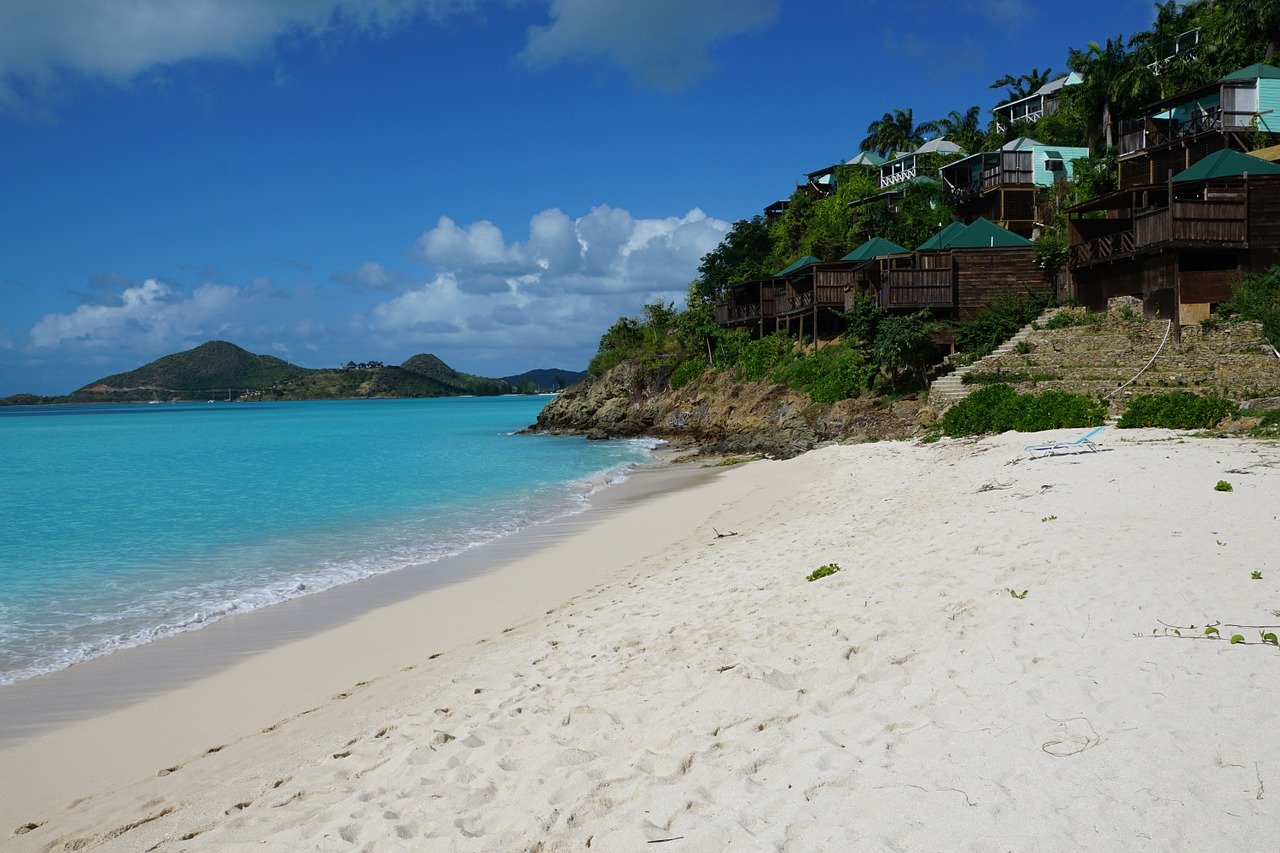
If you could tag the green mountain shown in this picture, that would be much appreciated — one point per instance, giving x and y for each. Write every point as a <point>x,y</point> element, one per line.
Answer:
<point>546,379</point>
<point>426,364</point>
<point>218,369</point>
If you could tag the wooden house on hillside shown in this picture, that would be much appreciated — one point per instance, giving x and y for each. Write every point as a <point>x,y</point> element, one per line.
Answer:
<point>822,183</point>
<point>960,270</point>
<point>1008,186</point>
<point>868,269</point>
<point>810,297</point>
<point>1179,245</point>
<point>1179,131</point>
<point>748,305</point>
<point>1037,105</point>
<point>911,164</point>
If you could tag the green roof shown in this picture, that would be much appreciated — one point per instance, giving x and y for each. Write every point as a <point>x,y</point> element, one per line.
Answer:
<point>807,260</point>
<point>984,234</point>
<point>866,158</point>
<point>874,248</point>
<point>1227,163</point>
<point>937,240</point>
<point>1253,72</point>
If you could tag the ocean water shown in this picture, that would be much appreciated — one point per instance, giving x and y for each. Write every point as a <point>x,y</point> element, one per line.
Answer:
<point>120,524</point>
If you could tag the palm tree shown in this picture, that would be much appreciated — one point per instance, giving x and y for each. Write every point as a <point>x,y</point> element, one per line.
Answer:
<point>893,132</point>
<point>1252,21</point>
<point>961,128</point>
<point>1151,47</point>
<point>1104,68</point>
<point>1023,85</point>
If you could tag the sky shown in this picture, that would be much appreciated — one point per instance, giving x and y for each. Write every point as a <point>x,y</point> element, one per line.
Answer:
<point>492,181</point>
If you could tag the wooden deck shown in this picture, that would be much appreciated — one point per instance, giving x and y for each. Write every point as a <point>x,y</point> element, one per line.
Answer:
<point>1218,223</point>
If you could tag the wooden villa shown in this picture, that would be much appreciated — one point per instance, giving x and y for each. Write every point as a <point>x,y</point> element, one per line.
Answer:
<point>1040,103</point>
<point>960,270</point>
<point>748,305</point>
<point>912,164</point>
<point>822,183</point>
<point>1179,245</point>
<point>1182,130</point>
<point>1008,186</point>
<point>810,295</point>
<point>869,268</point>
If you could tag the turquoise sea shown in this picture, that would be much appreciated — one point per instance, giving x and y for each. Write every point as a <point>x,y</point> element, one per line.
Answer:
<point>120,524</point>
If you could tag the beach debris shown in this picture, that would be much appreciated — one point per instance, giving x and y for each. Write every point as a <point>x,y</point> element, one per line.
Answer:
<point>1021,595</point>
<point>665,840</point>
<point>724,535</point>
<point>994,487</point>
<point>725,668</point>
<point>1072,743</point>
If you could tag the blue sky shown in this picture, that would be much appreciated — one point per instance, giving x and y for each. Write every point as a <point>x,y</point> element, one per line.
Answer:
<point>493,181</point>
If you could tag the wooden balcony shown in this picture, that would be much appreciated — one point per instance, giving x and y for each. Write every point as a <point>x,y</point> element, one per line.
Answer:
<point>729,314</point>
<point>920,288</point>
<point>1218,224</point>
<point>798,301</point>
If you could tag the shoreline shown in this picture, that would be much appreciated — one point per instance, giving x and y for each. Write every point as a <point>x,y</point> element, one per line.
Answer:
<point>126,675</point>
<point>649,680</point>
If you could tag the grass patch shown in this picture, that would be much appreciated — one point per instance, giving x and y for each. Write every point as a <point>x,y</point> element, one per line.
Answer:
<point>1008,377</point>
<point>1071,319</point>
<point>1222,486</point>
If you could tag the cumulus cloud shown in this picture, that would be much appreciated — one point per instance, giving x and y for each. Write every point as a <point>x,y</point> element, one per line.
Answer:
<point>373,276</point>
<point>545,299</point>
<point>665,43</point>
<point>118,39</point>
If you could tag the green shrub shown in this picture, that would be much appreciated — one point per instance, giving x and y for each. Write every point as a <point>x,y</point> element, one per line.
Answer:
<point>1222,486</point>
<point>1257,298</point>
<point>1178,410</point>
<point>822,572</point>
<point>997,408</point>
<point>687,372</point>
<point>999,321</point>
<point>835,372</point>
<point>728,348</point>
<point>606,360</point>
<point>1069,319</point>
<point>759,358</point>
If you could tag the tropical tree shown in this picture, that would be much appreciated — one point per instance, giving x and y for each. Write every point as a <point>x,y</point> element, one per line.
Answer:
<point>892,132</point>
<point>740,256</point>
<point>1252,22</point>
<point>961,128</point>
<point>1023,85</point>
<point>1107,74</point>
<point>1151,47</point>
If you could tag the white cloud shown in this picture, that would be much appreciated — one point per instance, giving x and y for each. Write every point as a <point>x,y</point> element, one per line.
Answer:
<point>373,276</point>
<point>154,316</point>
<point>665,43</point>
<point>118,39</point>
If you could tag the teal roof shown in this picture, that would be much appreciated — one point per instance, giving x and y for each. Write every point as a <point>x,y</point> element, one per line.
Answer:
<point>807,260</point>
<point>866,158</point>
<point>980,234</point>
<point>1253,72</point>
<point>1227,163</point>
<point>874,248</point>
<point>937,240</point>
<point>984,234</point>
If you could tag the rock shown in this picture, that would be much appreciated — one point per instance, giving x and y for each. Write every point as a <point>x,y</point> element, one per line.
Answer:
<point>596,434</point>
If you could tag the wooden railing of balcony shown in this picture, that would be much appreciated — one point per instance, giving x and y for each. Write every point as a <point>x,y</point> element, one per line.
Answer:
<point>726,314</point>
<point>1219,223</point>
<point>795,301</point>
<point>1142,134</point>
<point>920,288</point>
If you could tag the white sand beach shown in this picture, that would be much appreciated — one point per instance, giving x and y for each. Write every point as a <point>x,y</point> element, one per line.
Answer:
<point>647,682</point>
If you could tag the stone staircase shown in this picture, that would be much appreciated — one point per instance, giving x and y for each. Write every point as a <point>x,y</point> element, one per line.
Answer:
<point>1098,358</point>
<point>950,389</point>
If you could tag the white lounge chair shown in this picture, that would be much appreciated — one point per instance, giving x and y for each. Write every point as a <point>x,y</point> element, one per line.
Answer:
<point>1084,442</point>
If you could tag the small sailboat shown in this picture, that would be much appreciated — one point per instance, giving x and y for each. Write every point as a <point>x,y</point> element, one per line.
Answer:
<point>155,399</point>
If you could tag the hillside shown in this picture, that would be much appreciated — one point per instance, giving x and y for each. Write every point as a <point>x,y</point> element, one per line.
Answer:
<point>546,379</point>
<point>217,369</point>
<point>428,365</point>
<point>216,364</point>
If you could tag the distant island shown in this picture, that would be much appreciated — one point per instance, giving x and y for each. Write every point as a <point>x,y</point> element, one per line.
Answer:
<point>219,370</point>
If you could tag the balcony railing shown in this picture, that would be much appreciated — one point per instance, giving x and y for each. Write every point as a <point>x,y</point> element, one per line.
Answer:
<point>896,178</point>
<point>1143,134</point>
<point>1213,223</point>
<point>726,314</point>
<point>923,288</point>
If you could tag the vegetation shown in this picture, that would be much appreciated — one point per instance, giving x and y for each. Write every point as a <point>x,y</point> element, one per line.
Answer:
<point>432,367</point>
<point>999,321</point>
<point>1178,410</point>
<point>822,572</point>
<point>998,408</point>
<point>1257,298</point>
<point>1068,319</point>
<point>1222,486</point>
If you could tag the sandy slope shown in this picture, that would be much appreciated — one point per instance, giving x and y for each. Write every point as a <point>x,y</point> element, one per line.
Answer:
<point>709,695</point>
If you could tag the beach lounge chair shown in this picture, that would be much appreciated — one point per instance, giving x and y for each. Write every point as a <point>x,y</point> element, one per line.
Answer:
<point>1084,442</point>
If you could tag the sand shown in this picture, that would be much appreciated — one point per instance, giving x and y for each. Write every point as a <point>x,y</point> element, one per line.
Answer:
<point>653,683</point>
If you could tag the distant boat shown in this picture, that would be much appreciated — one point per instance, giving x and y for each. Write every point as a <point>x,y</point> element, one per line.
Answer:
<point>155,400</point>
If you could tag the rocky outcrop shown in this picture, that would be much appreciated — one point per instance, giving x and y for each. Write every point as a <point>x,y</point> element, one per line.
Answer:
<point>718,413</point>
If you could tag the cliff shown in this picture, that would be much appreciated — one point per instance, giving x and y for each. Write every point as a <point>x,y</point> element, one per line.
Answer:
<point>718,412</point>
